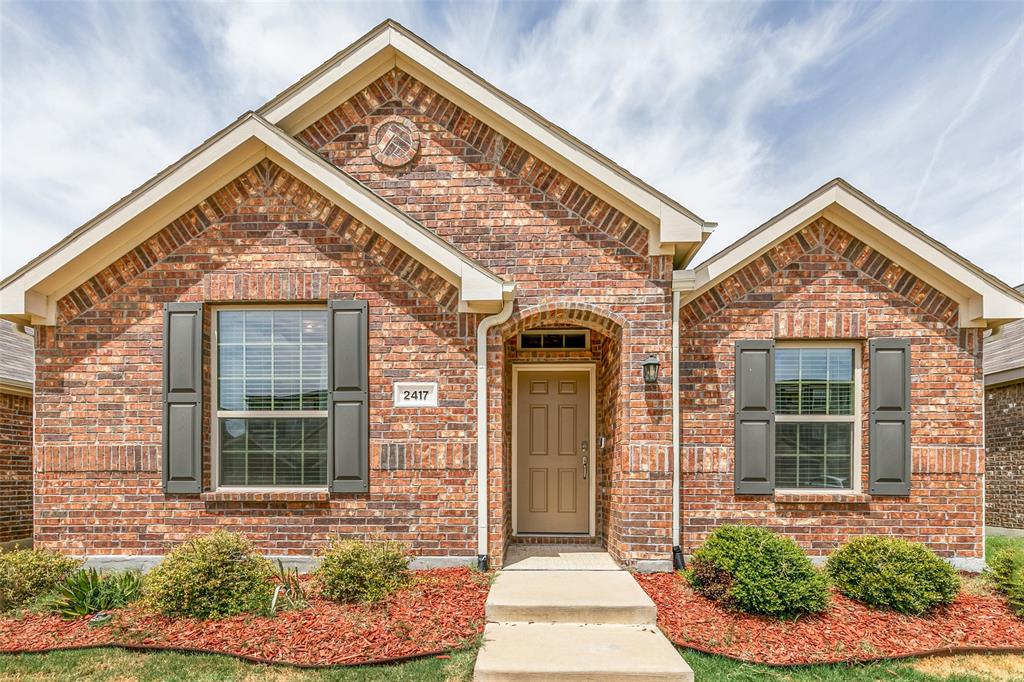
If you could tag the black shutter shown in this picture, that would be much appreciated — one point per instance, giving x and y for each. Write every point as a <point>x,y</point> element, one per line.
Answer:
<point>183,398</point>
<point>348,428</point>
<point>889,434</point>
<point>755,417</point>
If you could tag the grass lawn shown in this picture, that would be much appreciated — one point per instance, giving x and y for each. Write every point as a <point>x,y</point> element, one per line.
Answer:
<point>994,543</point>
<point>125,666</point>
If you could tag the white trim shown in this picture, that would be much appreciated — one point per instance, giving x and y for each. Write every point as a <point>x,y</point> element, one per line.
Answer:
<point>856,418</point>
<point>677,539</point>
<point>216,414</point>
<point>31,293</point>
<point>673,228</point>
<point>482,494</point>
<point>983,299</point>
<point>591,369</point>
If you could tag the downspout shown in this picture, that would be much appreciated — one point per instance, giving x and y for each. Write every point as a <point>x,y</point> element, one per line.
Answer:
<point>677,552</point>
<point>482,329</point>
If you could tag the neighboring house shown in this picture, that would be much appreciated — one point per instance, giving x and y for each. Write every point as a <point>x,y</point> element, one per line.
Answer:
<point>1004,427</point>
<point>289,331</point>
<point>16,372</point>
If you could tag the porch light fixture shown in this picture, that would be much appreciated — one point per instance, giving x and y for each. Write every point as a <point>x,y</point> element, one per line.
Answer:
<point>650,367</point>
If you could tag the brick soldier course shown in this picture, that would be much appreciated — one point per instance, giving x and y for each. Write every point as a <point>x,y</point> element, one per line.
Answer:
<point>580,255</point>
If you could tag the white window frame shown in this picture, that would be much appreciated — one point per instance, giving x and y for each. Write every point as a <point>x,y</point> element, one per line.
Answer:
<point>855,418</point>
<point>216,414</point>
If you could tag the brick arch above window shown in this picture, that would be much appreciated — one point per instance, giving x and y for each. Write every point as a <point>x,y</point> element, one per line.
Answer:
<point>561,313</point>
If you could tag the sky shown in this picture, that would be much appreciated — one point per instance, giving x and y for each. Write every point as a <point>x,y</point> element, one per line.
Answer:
<point>737,110</point>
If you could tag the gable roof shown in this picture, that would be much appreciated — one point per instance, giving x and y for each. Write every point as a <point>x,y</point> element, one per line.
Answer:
<point>673,228</point>
<point>1003,354</point>
<point>31,293</point>
<point>984,300</point>
<point>17,359</point>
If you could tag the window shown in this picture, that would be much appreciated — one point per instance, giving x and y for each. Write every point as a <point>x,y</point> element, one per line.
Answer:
<point>270,416</point>
<point>816,401</point>
<point>555,339</point>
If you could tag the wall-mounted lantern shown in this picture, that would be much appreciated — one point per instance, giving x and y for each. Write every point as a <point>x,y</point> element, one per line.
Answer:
<point>650,367</point>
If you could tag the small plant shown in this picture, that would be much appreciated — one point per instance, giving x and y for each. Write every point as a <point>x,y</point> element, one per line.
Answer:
<point>87,592</point>
<point>1006,573</point>
<point>352,570</point>
<point>211,576</point>
<point>892,573</point>
<point>757,571</point>
<point>289,594</point>
<point>27,574</point>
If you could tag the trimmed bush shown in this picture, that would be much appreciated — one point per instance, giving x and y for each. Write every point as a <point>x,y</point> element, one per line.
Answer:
<point>352,570</point>
<point>757,571</point>
<point>26,574</point>
<point>1006,572</point>
<point>211,576</point>
<point>86,592</point>
<point>892,573</point>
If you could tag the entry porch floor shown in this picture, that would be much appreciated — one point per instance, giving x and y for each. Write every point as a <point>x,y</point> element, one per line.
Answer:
<point>570,612</point>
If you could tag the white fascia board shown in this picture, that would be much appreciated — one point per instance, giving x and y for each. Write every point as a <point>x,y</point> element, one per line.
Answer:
<point>475,281</point>
<point>388,46</point>
<point>936,265</point>
<point>30,294</point>
<point>982,301</point>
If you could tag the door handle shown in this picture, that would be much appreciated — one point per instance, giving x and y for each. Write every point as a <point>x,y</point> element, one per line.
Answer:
<point>586,459</point>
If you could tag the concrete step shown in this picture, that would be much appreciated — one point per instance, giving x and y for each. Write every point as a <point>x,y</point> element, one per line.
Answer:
<point>563,651</point>
<point>595,597</point>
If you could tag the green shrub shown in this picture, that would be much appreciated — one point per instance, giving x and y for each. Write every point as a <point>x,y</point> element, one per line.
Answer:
<point>26,574</point>
<point>352,570</point>
<point>1006,571</point>
<point>892,573</point>
<point>757,571</point>
<point>211,576</point>
<point>87,592</point>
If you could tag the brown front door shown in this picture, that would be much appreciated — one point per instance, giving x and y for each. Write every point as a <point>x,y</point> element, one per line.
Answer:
<point>554,454</point>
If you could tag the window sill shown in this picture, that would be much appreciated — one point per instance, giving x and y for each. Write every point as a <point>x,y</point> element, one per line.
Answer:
<point>266,496</point>
<point>820,497</point>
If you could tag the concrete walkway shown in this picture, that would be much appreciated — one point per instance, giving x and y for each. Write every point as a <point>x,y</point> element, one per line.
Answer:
<point>570,613</point>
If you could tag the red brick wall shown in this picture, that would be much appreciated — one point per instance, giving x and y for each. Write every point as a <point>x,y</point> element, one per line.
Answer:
<point>267,238</point>
<point>1004,457</point>
<point>823,284</point>
<point>15,467</point>
<point>568,253</point>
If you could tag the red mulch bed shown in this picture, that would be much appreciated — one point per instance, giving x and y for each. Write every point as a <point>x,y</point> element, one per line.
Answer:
<point>847,631</point>
<point>442,610</point>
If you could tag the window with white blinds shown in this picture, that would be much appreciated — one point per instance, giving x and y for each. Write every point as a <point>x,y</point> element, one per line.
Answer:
<point>270,373</point>
<point>816,400</point>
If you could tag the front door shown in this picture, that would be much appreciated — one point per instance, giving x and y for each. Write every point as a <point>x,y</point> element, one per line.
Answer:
<point>554,461</point>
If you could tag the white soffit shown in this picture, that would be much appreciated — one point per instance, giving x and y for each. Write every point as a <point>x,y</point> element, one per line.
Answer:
<point>674,229</point>
<point>984,300</point>
<point>30,294</point>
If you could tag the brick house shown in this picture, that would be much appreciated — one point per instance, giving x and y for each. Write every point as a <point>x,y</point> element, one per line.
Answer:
<point>1004,428</point>
<point>395,302</point>
<point>15,435</point>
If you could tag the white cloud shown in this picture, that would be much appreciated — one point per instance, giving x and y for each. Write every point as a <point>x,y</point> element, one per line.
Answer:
<point>737,110</point>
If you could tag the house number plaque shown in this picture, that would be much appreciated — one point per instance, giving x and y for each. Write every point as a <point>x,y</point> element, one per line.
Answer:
<point>415,394</point>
